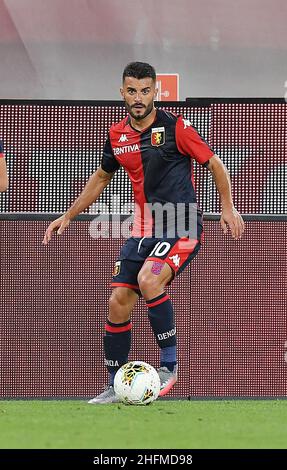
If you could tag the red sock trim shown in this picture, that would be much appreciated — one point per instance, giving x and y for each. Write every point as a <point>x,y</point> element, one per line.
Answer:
<point>117,329</point>
<point>158,302</point>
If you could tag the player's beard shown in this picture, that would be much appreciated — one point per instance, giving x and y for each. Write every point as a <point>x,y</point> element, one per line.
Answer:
<point>148,110</point>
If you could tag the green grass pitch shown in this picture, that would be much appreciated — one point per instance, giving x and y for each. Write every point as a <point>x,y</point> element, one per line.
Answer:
<point>226,424</point>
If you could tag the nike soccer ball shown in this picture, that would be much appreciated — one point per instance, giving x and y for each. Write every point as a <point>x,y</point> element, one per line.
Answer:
<point>137,383</point>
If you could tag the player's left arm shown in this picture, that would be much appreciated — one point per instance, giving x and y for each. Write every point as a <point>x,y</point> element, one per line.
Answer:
<point>230,217</point>
<point>190,142</point>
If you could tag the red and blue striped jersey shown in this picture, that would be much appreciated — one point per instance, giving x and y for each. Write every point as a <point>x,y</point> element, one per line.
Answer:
<point>158,161</point>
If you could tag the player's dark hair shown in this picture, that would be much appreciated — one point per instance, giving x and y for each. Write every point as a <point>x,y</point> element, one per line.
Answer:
<point>139,70</point>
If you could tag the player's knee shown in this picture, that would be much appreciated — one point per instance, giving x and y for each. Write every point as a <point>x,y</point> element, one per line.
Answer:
<point>116,301</point>
<point>147,284</point>
<point>118,307</point>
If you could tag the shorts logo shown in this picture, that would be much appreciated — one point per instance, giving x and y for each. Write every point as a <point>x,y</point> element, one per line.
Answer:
<point>117,268</point>
<point>175,259</point>
<point>157,136</point>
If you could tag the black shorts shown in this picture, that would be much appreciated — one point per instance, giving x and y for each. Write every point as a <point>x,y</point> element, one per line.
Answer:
<point>176,252</point>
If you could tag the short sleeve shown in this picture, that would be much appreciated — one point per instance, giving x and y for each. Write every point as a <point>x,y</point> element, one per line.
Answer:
<point>189,142</point>
<point>109,162</point>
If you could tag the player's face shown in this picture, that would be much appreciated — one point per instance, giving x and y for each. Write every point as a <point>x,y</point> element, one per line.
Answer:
<point>139,96</point>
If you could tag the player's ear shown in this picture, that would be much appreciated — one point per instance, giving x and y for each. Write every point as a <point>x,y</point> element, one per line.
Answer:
<point>122,92</point>
<point>155,93</point>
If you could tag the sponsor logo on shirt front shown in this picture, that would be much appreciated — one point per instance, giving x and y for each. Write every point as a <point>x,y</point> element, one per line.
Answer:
<point>157,136</point>
<point>126,149</point>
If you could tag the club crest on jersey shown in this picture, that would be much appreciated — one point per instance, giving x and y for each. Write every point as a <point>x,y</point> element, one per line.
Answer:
<point>117,268</point>
<point>157,136</point>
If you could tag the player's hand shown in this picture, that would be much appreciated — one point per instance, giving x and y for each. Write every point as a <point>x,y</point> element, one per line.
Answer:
<point>231,219</point>
<point>58,225</point>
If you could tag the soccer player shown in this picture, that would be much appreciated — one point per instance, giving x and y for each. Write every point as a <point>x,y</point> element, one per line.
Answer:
<point>156,149</point>
<point>3,170</point>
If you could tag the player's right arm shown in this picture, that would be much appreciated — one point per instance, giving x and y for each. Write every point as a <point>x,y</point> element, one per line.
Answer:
<point>94,187</point>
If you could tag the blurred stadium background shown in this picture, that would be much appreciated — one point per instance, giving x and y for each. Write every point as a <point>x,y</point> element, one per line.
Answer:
<point>76,49</point>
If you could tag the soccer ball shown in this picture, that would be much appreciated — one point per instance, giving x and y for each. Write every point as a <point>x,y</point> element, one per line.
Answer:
<point>137,383</point>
